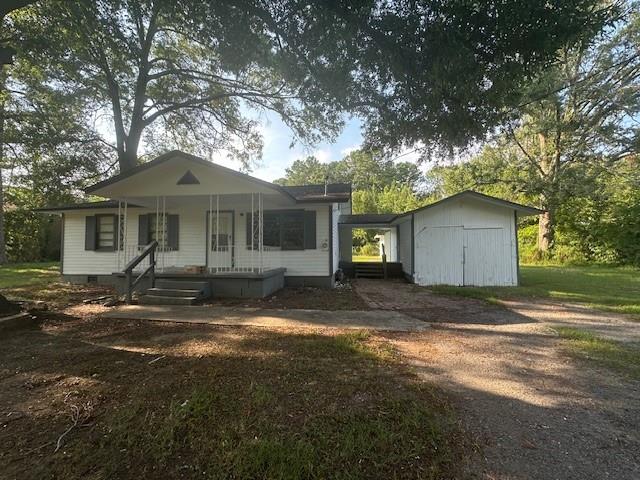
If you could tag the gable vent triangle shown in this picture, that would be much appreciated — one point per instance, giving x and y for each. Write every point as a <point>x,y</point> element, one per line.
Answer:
<point>188,179</point>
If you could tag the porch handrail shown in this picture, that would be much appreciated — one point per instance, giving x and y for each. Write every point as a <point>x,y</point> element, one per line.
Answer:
<point>149,251</point>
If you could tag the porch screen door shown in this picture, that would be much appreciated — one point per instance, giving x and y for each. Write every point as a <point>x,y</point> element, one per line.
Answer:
<point>220,246</point>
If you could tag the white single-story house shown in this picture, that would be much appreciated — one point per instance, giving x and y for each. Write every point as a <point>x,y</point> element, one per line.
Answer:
<point>182,218</point>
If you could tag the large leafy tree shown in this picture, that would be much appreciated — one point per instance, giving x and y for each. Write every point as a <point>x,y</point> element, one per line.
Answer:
<point>363,169</point>
<point>48,153</point>
<point>187,72</point>
<point>562,137</point>
<point>581,123</point>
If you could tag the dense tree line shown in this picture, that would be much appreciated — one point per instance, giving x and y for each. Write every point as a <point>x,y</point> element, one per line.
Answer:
<point>99,86</point>
<point>572,152</point>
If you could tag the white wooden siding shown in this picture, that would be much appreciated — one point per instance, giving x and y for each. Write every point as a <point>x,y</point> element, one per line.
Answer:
<point>487,232</point>
<point>487,259</point>
<point>299,263</point>
<point>439,256</point>
<point>404,250</point>
<point>192,246</point>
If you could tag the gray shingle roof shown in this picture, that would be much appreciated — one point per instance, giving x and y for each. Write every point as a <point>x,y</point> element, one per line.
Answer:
<point>335,192</point>
<point>367,218</point>
<point>84,206</point>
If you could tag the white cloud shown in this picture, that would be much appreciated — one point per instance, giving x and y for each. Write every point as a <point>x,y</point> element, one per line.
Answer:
<point>346,151</point>
<point>323,155</point>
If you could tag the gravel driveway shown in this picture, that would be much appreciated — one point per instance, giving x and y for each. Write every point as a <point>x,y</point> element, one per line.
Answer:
<point>534,411</point>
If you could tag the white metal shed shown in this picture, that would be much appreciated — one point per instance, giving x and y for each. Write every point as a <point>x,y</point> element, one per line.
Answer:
<point>466,239</point>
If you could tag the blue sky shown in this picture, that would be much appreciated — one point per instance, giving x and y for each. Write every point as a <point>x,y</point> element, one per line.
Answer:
<point>277,155</point>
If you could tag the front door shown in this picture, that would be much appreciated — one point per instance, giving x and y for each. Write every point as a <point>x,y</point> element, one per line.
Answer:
<point>220,248</point>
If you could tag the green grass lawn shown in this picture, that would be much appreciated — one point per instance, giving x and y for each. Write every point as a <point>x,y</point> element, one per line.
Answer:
<point>608,288</point>
<point>220,404</point>
<point>623,358</point>
<point>21,274</point>
<point>366,258</point>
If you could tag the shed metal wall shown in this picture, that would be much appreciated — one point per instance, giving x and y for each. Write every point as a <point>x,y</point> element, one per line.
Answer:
<point>404,245</point>
<point>465,242</point>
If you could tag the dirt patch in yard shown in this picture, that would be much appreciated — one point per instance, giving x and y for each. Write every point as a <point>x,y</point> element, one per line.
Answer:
<point>343,297</point>
<point>423,304</point>
<point>149,400</point>
<point>535,411</point>
<point>57,295</point>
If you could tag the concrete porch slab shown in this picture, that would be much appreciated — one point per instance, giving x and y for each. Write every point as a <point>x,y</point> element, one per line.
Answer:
<point>211,315</point>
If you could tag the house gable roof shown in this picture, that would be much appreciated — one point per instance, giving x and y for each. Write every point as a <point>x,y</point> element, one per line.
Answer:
<point>338,192</point>
<point>488,199</point>
<point>177,154</point>
<point>390,218</point>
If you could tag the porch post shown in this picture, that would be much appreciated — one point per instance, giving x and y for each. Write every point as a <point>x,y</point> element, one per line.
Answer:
<point>261,228</point>
<point>217,231</point>
<point>118,237</point>
<point>210,231</point>
<point>158,220</point>
<point>164,230</point>
<point>124,246</point>
<point>253,225</point>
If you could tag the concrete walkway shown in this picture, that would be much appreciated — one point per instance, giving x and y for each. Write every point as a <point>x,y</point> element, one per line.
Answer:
<point>352,319</point>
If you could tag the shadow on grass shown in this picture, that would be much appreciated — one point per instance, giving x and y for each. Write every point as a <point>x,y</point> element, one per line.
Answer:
<point>176,401</point>
<point>615,289</point>
<point>622,358</point>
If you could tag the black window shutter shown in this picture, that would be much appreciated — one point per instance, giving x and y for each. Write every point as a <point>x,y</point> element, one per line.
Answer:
<point>173,231</point>
<point>309,229</point>
<point>90,233</point>
<point>143,230</point>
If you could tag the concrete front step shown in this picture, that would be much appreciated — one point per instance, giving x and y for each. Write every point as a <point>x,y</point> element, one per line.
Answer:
<point>202,287</point>
<point>174,292</point>
<point>166,300</point>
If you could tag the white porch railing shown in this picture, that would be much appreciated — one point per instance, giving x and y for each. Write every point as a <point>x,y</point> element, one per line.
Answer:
<point>227,259</point>
<point>240,259</point>
<point>127,253</point>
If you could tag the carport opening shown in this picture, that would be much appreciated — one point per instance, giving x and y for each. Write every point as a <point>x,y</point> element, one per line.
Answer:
<point>362,248</point>
<point>370,244</point>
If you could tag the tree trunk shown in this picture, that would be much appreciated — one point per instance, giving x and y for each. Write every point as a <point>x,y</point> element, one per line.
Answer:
<point>127,160</point>
<point>128,157</point>
<point>546,231</point>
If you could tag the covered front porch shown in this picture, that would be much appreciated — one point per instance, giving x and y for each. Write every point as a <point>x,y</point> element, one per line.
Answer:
<point>198,235</point>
